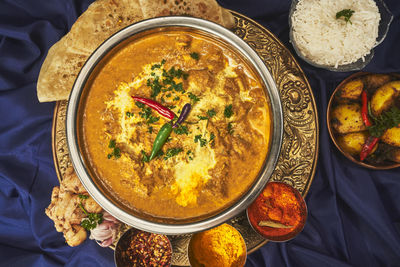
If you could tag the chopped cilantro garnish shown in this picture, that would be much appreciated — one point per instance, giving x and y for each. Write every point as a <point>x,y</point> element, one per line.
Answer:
<point>230,128</point>
<point>346,14</point>
<point>212,137</point>
<point>92,219</point>
<point>83,196</point>
<point>176,98</point>
<point>190,154</point>
<point>211,113</point>
<point>202,117</point>
<point>194,55</point>
<point>228,112</point>
<point>193,97</point>
<point>116,152</point>
<point>139,105</point>
<point>150,129</point>
<point>199,139</point>
<point>145,158</point>
<point>181,130</point>
<point>171,106</point>
<point>172,152</point>
<point>152,119</point>
<point>129,114</point>
<point>112,143</point>
<point>168,95</point>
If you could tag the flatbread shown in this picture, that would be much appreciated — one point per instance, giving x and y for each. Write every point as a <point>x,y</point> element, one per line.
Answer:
<point>65,59</point>
<point>206,9</point>
<point>102,19</point>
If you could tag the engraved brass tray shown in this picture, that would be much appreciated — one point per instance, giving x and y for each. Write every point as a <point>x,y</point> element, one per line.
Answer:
<point>298,157</point>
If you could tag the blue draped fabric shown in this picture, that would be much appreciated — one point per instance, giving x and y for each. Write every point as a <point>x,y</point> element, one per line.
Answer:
<point>354,213</point>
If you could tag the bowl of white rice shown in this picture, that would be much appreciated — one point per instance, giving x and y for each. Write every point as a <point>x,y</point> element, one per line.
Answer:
<point>338,35</point>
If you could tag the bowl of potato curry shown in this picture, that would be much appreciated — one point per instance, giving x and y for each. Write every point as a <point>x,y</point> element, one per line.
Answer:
<point>364,119</point>
<point>174,125</point>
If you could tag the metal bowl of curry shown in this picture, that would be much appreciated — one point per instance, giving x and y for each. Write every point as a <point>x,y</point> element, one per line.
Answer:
<point>209,168</point>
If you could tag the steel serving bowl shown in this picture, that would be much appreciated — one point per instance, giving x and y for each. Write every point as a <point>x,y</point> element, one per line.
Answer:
<point>158,25</point>
<point>383,28</point>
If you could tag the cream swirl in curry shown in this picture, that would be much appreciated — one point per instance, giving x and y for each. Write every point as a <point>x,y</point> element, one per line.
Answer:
<point>208,162</point>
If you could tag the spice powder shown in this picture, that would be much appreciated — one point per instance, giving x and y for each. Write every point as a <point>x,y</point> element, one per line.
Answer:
<point>222,246</point>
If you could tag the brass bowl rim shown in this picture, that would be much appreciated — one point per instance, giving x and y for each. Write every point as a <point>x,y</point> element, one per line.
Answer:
<point>332,134</point>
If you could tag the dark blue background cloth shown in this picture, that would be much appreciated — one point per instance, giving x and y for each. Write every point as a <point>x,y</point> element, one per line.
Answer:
<point>354,213</point>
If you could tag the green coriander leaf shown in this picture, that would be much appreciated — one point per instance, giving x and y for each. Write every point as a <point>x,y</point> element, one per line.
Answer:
<point>346,14</point>
<point>189,154</point>
<point>228,112</point>
<point>92,220</point>
<point>193,97</point>
<point>181,130</point>
<point>83,196</point>
<point>117,152</point>
<point>112,143</point>
<point>194,55</point>
<point>152,120</point>
<point>145,158</point>
<point>172,152</point>
<point>230,128</point>
<point>139,105</point>
<point>212,136</point>
<point>202,117</point>
<point>211,113</point>
<point>199,139</point>
<point>176,98</point>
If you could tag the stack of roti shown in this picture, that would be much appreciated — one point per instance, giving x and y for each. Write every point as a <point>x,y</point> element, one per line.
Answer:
<point>103,18</point>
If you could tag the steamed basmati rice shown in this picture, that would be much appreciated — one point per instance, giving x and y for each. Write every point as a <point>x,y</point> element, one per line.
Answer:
<point>328,41</point>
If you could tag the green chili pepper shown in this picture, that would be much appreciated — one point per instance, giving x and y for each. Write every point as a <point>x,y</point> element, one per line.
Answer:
<point>161,138</point>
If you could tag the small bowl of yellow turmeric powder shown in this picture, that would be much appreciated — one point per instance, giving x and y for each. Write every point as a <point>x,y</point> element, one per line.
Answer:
<point>222,246</point>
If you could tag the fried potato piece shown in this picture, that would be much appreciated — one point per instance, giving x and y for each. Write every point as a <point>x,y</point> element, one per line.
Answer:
<point>392,136</point>
<point>71,182</point>
<point>346,118</point>
<point>374,81</point>
<point>352,143</point>
<point>394,155</point>
<point>351,90</point>
<point>384,97</point>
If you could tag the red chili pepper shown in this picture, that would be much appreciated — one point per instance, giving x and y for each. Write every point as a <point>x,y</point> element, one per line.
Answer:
<point>368,147</point>
<point>364,109</point>
<point>163,111</point>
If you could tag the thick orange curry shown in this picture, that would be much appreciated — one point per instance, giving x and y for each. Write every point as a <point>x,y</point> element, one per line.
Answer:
<point>208,162</point>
